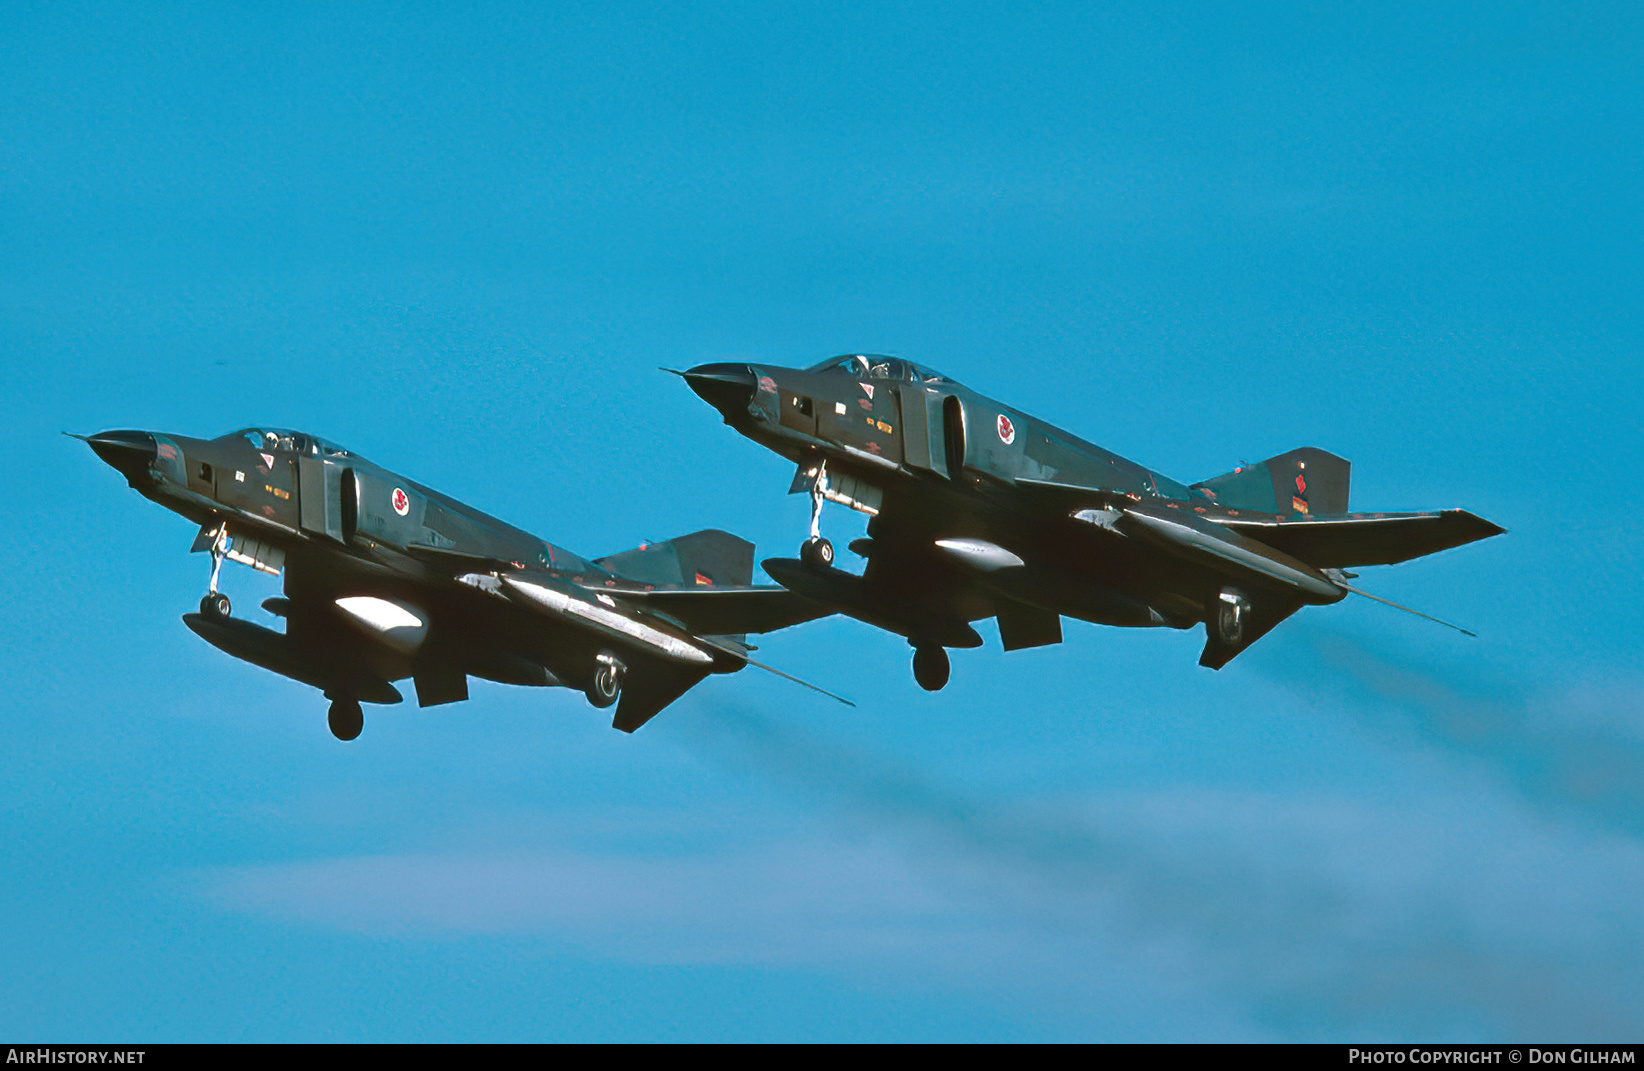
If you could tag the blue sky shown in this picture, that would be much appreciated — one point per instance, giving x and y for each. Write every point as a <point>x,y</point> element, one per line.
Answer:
<point>462,241</point>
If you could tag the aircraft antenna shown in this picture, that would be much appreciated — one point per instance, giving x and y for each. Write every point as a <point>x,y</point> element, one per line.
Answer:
<point>796,680</point>
<point>1408,610</point>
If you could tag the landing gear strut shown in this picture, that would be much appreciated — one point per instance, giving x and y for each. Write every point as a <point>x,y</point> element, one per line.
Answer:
<point>817,552</point>
<point>931,667</point>
<point>346,719</point>
<point>606,686</point>
<point>215,603</point>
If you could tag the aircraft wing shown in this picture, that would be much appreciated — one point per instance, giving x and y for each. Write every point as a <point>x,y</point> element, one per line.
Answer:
<point>1063,497</point>
<point>1322,540</point>
<point>1366,538</point>
<point>729,611</point>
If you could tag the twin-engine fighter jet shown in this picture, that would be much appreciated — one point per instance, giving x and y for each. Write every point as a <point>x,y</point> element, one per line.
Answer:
<point>979,510</point>
<point>386,579</point>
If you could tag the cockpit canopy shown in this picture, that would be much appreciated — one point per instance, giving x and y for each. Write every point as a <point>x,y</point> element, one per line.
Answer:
<point>281,440</point>
<point>875,366</point>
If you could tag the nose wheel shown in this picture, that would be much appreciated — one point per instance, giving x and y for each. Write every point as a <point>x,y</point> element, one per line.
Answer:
<point>816,552</point>
<point>931,667</point>
<point>215,604</point>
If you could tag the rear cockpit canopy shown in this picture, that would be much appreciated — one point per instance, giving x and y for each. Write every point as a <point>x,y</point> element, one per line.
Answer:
<point>876,366</point>
<point>281,440</point>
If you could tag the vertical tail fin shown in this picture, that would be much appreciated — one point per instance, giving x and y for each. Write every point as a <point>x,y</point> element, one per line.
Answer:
<point>1304,480</point>
<point>701,559</point>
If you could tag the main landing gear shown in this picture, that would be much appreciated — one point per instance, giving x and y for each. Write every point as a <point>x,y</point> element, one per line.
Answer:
<point>346,719</point>
<point>816,552</point>
<point>1227,620</point>
<point>215,603</point>
<point>931,667</point>
<point>606,686</point>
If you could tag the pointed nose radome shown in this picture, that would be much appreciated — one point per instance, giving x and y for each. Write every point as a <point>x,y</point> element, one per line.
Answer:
<point>129,452</point>
<point>727,387</point>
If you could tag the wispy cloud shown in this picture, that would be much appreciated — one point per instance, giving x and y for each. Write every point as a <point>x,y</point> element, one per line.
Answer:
<point>1401,930</point>
<point>1577,756</point>
<point>1311,917</point>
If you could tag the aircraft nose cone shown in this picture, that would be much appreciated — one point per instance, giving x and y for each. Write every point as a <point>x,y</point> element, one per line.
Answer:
<point>727,387</point>
<point>130,452</point>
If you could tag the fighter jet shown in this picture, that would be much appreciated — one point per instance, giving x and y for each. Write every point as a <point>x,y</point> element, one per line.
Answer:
<point>979,510</point>
<point>386,579</point>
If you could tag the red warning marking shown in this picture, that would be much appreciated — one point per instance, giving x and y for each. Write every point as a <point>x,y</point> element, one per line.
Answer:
<point>700,579</point>
<point>1007,430</point>
<point>1301,484</point>
<point>767,384</point>
<point>402,504</point>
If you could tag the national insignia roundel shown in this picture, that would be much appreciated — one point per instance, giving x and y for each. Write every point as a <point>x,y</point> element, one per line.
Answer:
<point>1007,430</point>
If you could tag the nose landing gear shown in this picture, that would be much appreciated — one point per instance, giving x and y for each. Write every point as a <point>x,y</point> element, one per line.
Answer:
<point>816,552</point>
<point>215,603</point>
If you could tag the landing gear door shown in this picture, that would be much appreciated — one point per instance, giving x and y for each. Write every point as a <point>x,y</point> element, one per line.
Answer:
<point>320,497</point>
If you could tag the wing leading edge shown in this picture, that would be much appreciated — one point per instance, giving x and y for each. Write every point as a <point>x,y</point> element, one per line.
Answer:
<point>1366,538</point>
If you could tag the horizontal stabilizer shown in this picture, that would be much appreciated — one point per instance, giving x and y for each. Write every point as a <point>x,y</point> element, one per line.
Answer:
<point>1264,616</point>
<point>701,559</point>
<point>1367,538</point>
<point>730,611</point>
<point>648,690</point>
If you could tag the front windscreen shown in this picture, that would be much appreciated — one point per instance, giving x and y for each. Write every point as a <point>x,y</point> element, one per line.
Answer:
<point>281,440</point>
<point>875,366</point>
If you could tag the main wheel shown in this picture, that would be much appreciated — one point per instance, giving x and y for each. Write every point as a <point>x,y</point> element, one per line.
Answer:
<point>816,553</point>
<point>216,604</point>
<point>606,686</point>
<point>931,668</point>
<point>1230,621</point>
<point>346,719</point>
